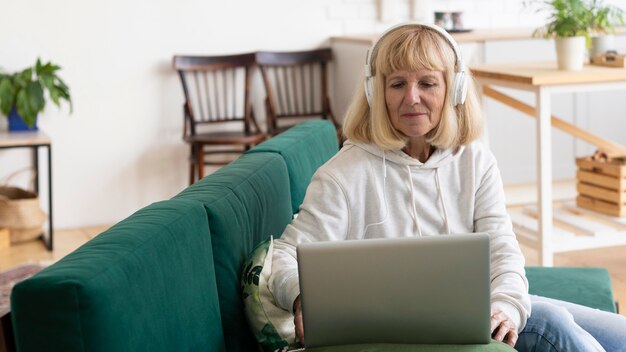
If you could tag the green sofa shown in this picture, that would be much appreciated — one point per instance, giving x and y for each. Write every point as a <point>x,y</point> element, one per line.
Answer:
<point>167,277</point>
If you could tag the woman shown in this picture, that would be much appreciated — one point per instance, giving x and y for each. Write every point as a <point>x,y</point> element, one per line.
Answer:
<point>412,166</point>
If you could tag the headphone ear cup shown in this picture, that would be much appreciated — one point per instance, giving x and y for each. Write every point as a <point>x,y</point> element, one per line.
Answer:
<point>460,88</point>
<point>369,90</point>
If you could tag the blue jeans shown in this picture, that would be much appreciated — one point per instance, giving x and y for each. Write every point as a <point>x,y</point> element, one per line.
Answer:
<point>562,326</point>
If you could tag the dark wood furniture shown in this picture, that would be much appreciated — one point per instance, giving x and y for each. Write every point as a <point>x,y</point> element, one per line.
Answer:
<point>218,116</point>
<point>296,84</point>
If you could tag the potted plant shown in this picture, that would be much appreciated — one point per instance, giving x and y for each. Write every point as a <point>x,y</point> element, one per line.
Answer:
<point>604,18</point>
<point>569,23</point>
<point>22,94</point>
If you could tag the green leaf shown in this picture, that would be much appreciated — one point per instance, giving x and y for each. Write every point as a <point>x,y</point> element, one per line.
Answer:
<point>47,80</point>
<point>6,96</point>
<point>36,99</point>
<point>54,95</point>
<point>26,76</point>
<point>23,108</point>
<point>38,66</point>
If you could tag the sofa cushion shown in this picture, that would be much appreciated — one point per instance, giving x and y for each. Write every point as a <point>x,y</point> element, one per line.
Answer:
<point>304,147</point>
<point>272,326</point>
<point>146,284</point>
<point>587,286</point>
<point>246,201</point>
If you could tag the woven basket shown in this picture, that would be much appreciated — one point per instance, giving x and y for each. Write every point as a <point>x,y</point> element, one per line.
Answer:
<point>21,213</point>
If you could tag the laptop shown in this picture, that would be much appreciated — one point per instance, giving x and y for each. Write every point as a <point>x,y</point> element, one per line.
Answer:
<point>427,290</point>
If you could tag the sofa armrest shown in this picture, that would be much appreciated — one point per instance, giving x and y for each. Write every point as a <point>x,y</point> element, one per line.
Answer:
<point>147,283</point>
<point>587,286</point>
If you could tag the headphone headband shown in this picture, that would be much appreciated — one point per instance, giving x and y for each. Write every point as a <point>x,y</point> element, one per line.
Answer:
<point>460,81</point>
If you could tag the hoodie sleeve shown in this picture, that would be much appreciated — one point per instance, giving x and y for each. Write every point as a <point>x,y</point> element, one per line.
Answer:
<point>323,217</point>
<point>509,286</point>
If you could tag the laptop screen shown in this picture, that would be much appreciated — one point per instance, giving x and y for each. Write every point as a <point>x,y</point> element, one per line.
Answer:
<point>428,290</point>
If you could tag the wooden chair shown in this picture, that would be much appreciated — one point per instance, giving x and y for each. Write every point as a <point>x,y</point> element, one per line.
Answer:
<point>218,116</point>
<point>296,84</point>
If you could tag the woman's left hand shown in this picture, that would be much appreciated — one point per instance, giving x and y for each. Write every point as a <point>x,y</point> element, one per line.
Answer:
<point>502,328</point>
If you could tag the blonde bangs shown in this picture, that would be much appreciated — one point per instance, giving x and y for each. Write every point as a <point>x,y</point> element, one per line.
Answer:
<point>413,51</point>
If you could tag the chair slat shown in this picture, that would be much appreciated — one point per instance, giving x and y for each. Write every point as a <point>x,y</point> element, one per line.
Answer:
<point>294,91</point>
<point>206,99</point>
<point>302,89</point>
<point>287,86</point>
<point>198,94</point>
<point>216,90</point>
<point>233,95</point>
<point>312,88</point>
<point>279,92</point>
<point>324,92</point>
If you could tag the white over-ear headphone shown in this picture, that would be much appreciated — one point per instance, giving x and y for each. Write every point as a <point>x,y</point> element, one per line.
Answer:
<point>459,87</point>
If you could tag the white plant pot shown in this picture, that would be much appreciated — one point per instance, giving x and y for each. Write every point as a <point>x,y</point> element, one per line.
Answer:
<point>570,53</point>
<point>602,43</point>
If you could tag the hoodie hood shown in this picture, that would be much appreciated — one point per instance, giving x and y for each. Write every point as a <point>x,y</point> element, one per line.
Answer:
<point>439,158</point>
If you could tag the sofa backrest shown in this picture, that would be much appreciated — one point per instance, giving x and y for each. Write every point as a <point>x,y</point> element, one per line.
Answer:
<point>246,201</point>
<point>146,284</point>
<point>304,147</point>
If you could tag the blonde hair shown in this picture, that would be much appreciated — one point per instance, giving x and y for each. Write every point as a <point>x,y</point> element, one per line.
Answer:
<point>412,47</point>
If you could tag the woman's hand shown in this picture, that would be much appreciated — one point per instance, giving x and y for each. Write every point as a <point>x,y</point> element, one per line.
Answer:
<point>502,328</point>
<point>297,320</point>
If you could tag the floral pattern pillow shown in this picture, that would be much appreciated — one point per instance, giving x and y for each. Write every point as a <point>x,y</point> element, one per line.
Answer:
<point>272,326</point>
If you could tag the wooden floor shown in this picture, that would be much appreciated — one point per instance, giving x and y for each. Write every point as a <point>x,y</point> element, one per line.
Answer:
<point>65,241</point>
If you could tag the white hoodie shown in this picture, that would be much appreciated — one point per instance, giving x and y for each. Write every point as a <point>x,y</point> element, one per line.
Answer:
<point>363,192</point>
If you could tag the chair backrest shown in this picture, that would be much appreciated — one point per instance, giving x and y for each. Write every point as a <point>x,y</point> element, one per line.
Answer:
<point>217,90</point>
<point>296,85</point>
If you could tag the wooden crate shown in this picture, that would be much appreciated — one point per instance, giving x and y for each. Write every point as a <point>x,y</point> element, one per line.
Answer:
<point>5,238</point>
<point>601,185</point>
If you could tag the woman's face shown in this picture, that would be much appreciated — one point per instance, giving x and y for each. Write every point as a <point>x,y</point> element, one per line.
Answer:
<point>415,100</point>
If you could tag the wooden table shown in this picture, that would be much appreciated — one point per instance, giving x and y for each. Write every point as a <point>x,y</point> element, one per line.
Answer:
<point>34,141</point>
<point>543,79</point>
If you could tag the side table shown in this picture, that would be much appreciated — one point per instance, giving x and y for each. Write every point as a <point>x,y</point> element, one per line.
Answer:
<point>544,79</point>
<point>34,141</point>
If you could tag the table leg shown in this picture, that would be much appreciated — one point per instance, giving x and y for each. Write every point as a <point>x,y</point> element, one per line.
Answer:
<point>50,227</point>
<point>544,177</point>
<point>35,162</point>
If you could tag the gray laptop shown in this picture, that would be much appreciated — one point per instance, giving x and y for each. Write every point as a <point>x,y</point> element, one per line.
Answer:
<point>429,290</point>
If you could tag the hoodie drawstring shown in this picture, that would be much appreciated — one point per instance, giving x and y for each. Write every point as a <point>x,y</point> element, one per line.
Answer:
<point>415,217</point>
<point>443,204</point>
<point>384,197</point>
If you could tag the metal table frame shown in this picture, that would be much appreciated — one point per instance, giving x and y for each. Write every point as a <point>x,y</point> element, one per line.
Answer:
<point>34,141</point>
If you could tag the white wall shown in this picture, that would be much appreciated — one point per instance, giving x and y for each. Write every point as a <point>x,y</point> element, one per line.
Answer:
<point>121,148</point>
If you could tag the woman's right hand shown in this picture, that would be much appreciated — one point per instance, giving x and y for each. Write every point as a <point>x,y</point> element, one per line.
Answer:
<point>297,320</point>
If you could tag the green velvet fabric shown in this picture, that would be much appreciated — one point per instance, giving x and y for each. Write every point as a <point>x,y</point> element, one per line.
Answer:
<point>587,286</point>
<point>305,147</point>
<point>246,202</point>
<point>146,284</point>
<point>494,346</point>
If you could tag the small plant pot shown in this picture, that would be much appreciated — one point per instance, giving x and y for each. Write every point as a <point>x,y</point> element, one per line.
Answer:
<point>601,44</point>
<point>570,53</point>
<point>16,123</point>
